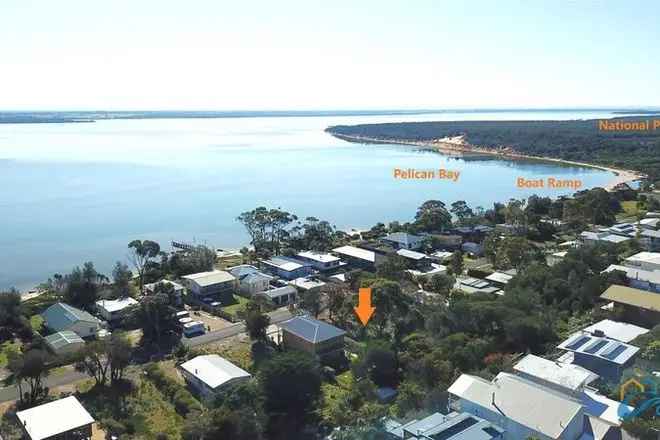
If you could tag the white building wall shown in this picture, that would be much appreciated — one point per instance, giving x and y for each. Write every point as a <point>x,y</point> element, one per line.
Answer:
<point>84,329</point>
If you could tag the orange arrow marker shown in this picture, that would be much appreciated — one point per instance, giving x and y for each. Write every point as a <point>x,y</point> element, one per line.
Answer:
<point>364,309</point>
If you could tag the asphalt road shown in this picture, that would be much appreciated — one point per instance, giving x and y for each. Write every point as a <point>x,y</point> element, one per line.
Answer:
<point>51,381</point>
<point>275,317</point>
<point>70,376</point>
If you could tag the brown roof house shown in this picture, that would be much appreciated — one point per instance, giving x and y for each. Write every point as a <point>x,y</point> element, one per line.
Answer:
<point>638,306</point>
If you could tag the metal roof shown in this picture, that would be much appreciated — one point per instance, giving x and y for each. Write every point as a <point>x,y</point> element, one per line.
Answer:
<point>403,238</point>
<point>286,264</point>
<point>621,331</point>
<point>523,401</point>
<point>318,256</point>
<point>306,283</point>
<point>205,279</point>
<point>650,233</point>
<point>454,426</point>
<point>568,376</point>
<point>646,257</point>
<point>633,297</point>
<point>499,277</point>
<point>116,305</point>
<point>53,418</point>
<point>279,291</point>
<point>603,348</point>
<point>651,276</point>
<point>61,316</point>
<point>213,370</point>
<point>62,339</point>
<point>411,254</point>
<point>311,330</point>
<point>356,252</point>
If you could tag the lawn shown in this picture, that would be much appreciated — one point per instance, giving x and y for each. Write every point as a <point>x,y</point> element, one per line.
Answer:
<point>239,305</point>
<point>36,322</point>
<point>630,208</point>
<point>143,407</point>
<point>6,348</point>
<point>335,396</point>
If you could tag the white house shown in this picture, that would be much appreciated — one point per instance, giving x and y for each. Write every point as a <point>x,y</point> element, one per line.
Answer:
<point>250,279</point>
<point>61,316</point>
<point>644,260</point>
<point>113,309</point>
<point>209,374</point>
<point>64,418</point>
<point>619,331</point>
<point>321,261</point>
<point>591,238</point>
<point>573,381</point>
<point>639,278</point>
<point>519,406</point>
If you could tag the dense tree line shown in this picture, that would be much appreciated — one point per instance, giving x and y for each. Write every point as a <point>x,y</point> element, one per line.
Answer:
<point>579,140</point>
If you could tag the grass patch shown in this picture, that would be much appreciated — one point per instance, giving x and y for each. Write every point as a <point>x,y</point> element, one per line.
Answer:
<point>6,349</point>
<point>239,354</point>
<point>37,323</point>
<point>141,406</point>
<point>38,304</point>
<point>630,208</point>
<point>239,305</point>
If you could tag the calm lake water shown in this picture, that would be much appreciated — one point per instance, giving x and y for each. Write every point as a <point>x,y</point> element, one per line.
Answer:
<point>70,193</point>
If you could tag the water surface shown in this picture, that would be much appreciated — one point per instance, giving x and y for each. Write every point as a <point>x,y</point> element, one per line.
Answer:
<point>70,193</point>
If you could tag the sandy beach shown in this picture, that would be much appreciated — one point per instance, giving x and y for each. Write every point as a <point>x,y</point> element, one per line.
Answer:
<point>459,145</point>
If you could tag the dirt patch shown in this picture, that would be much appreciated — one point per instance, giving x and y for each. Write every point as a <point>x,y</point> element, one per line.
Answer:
<point>214,322</point>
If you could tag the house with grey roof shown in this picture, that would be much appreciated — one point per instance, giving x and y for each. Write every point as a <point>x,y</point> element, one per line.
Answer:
<point>208,375</point>
<point>280,296</point>
<point>603,415</point>
<point>650,240</point>
<point>113,310</point>
<point>312,336</point>
<point>522,408</point>
<point>250,279</point>
<point>216,284</point>
<point>60,317</point>
<point>287,268</point>
<point>403,240</point>
<point>453,426</point>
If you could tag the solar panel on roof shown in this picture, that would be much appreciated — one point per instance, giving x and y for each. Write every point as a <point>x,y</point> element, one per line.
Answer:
<point>455,429</point>
<point>595,346</point>
<point>494,433</point>
<point>614,351</point>
<point>579,342</point>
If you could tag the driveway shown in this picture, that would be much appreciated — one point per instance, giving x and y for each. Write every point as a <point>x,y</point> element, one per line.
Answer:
<point>276,317</point>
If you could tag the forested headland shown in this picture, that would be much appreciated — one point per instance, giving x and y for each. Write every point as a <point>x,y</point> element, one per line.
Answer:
<point>577,140</point>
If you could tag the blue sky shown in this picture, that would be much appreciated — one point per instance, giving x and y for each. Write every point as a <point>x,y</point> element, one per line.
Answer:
<point>285,54</point>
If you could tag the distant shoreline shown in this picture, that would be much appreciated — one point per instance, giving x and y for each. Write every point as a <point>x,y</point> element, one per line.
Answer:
<point>458,145</point>
<point>78,116</point>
